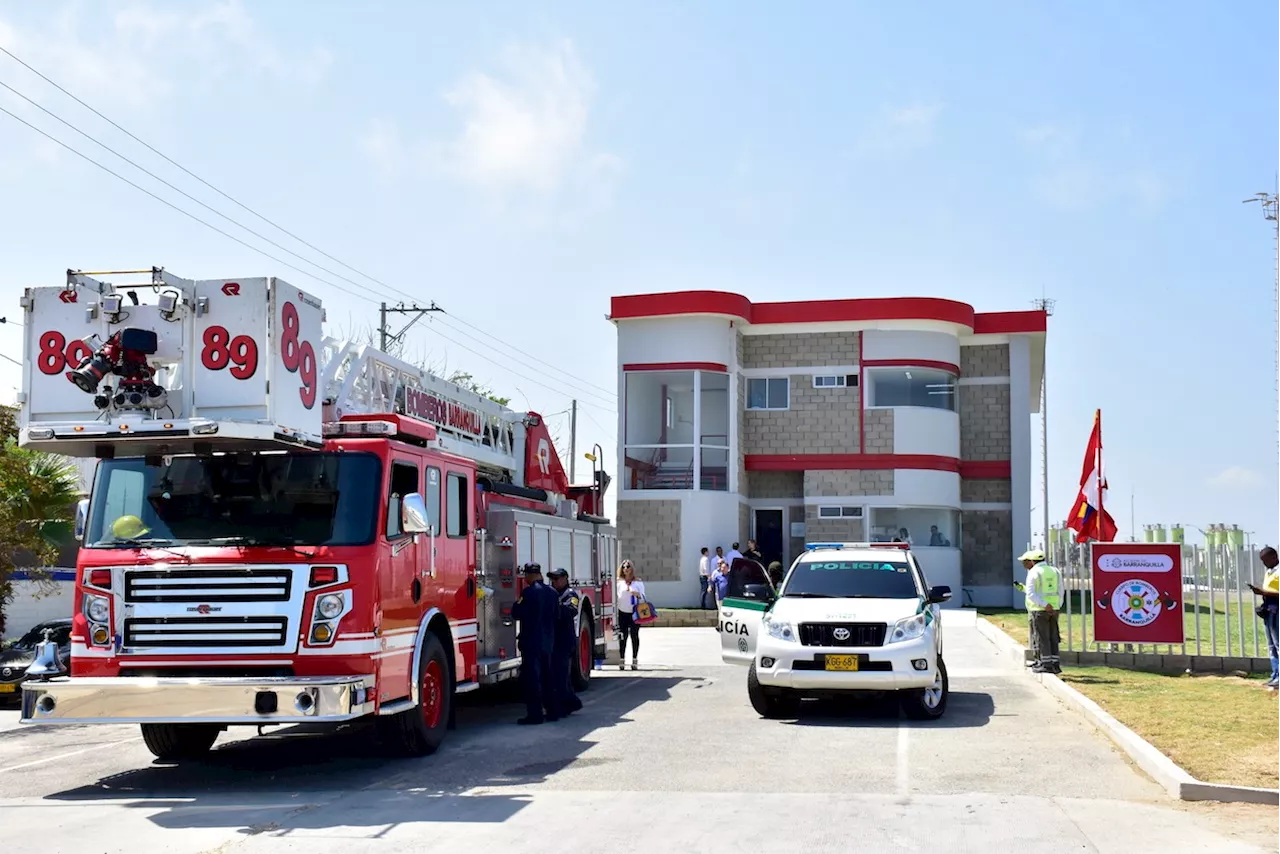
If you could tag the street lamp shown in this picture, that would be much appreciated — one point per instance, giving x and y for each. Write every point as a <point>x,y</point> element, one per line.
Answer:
<point>596,457</point>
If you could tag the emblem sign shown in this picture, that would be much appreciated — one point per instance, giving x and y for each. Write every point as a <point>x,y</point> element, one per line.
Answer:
<point>841,634</point>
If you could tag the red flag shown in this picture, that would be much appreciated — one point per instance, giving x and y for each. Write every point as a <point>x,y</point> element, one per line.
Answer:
<point>1088,517</point>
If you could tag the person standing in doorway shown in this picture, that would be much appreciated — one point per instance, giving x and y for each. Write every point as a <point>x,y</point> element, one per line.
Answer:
<point>630,592</point>
<point>1043,590</point>
<point>1269,610</point>
<point>753,553</point>
<point>733,554</point>
<point>704,576</point>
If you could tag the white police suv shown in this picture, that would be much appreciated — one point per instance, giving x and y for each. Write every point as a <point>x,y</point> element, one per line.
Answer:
<point>847,617</point>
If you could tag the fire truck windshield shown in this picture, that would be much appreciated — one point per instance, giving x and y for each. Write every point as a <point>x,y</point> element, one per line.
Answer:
<point>270,499</point>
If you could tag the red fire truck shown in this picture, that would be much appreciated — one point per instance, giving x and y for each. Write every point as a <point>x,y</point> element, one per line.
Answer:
<point>285,528</point>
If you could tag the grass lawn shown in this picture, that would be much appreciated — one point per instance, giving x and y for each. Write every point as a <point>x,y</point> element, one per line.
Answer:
<point>1221,729</point>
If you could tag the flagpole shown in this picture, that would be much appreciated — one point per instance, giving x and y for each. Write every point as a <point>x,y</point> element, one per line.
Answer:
<point>1097,471</point>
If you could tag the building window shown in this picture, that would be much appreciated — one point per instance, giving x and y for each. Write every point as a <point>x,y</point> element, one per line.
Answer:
<point>768,393</point>
<point>920,526</point>
<point>840,512</point>
<point>676,425</point>
<point>841,381</point>
<point>927,387</point>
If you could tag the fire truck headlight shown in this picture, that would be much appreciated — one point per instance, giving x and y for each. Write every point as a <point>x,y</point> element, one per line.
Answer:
<point>329,606</point>
<point>321,633</point>
<point>97,609</point>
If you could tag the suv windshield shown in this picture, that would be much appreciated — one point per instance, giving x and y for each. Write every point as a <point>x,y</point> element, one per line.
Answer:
<point>852,579</point>
<point>60,633</point>
<point>309,498</point>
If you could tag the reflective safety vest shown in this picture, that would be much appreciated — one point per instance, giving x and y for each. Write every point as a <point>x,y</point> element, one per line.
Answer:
<point>1048,584</point>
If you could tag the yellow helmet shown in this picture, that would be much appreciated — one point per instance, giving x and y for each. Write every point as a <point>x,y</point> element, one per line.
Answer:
<point>129,528</point>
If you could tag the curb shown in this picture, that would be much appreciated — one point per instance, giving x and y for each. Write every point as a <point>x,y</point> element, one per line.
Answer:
<point>1174,779</point>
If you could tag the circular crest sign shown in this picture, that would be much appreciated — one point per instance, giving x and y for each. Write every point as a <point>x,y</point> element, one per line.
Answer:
<point>1135,603</point>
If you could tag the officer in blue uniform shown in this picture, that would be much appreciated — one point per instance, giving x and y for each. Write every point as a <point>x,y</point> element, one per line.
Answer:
<point>536,611</point>
<point>566,645</point>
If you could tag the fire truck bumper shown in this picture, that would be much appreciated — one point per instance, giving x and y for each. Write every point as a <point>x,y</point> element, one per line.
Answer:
<point>142,700</point>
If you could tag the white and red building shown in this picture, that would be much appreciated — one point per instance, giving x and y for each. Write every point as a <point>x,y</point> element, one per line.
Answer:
<point>831,420</point>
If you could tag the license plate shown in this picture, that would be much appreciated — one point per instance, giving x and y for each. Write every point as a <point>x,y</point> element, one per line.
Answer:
<point>8,688</point>
<point>841,662</point>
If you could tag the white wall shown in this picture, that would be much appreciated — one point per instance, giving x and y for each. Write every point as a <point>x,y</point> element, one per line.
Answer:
<point>1020,446</point>
<point>923,430</point>
<point>901,344</point>
<point>675,339</point>
<point>941,568</point>
<point>34,603</point>
<point>926,488</point>
<point>706,519</point>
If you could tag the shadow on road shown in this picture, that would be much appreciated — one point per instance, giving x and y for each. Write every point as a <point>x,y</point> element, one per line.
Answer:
<point>964,710</point>
<point>317,780</point>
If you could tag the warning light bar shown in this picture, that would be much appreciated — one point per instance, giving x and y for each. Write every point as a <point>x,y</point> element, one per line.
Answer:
<point>810,547</point>
<point>360,428</point>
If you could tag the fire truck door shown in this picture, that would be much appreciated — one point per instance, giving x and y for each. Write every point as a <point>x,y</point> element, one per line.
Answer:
<point>400,587</point>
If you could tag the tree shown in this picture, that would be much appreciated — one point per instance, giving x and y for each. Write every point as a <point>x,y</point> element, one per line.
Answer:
<point>470,383</point>
<point>37,498</point>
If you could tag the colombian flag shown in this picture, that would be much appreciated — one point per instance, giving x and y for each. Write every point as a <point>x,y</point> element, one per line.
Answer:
<point>1088,518</point>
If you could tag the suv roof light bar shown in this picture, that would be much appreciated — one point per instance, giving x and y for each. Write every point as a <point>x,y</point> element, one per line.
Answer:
<point>809,547</point>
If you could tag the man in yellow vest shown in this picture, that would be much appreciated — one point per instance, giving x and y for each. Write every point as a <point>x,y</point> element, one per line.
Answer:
<point>1269,610</point>
<point>1043,589</point>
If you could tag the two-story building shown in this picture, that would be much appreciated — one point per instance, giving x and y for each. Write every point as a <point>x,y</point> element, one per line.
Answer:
<point>820,421</point>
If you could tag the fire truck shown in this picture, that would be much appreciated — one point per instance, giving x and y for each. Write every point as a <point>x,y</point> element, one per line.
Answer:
<point>286,528</point>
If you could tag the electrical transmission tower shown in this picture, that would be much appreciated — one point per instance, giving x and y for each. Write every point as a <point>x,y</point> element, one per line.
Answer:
<point>1270,204</point>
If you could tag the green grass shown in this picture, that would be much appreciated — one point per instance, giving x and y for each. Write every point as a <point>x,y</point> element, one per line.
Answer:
<point>1218,629</point>
<point>1220,729</point>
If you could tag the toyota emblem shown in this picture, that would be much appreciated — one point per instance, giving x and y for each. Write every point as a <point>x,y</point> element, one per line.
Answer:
<point>840,634</point>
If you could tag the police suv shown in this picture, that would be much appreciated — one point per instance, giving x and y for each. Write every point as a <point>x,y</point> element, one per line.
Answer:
<point>847,617</point>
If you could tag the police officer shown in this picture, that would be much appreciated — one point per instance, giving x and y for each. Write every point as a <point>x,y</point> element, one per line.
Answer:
<point>1043,589</point>
<point>566,645</point>
<point>536,611</point>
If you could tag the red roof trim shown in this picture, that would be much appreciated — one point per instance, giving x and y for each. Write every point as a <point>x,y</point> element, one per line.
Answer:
<point>670,303</point>
<point>676,366</point>
<point>986,470</point>
<point>912,363</point>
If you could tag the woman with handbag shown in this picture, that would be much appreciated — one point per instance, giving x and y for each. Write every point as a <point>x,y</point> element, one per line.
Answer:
<point>1269,610</point>
<point>630,593</point>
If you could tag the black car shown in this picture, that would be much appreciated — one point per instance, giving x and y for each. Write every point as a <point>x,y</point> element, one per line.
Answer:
<point>15,660</point>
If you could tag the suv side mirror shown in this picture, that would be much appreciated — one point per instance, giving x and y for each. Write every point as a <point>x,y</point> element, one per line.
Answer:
<point>757,591</point>
<point>413,514</point>
<point>940,594</point>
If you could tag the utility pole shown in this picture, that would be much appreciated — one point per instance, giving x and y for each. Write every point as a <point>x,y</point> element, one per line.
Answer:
<point>1046,305</point>
<point>1270,203</point>
<point>385,339</point>
<point>573,439</point>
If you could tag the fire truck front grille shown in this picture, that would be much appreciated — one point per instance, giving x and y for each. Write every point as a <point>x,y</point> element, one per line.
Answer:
<point>194,632</point>
<point>208,585</point>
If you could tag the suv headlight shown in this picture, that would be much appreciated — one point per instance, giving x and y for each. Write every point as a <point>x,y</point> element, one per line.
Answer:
<point>907,629</point>
<point>779,629</point>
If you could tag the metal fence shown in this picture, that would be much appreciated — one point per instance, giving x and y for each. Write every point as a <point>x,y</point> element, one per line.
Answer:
<point>1218,606</point>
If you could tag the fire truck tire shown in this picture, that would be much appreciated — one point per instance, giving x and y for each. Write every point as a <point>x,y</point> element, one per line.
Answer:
<point>585,655</point>
<point>421,730</point>
<point>179,741</point>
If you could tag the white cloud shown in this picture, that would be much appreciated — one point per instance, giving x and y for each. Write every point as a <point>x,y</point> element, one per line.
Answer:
<point>898,129</point>
<point>1236,477</point>
<point>1066,176</point>
<point>523,130</point>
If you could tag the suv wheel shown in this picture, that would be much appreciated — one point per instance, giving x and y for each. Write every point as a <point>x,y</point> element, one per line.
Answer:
<point>770,702</point>
<point>927,704</point>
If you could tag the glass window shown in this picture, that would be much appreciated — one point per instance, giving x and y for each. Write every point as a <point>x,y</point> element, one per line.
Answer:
<point>432,498</point>
<point>912,387</point>
<point>715,469</point>
<point>889,577</point>
<point>659,408</point>
<point>457,505</point>
<point>920,526</point>
<point>768,393</point>
<point>659,468</point>
<point>404,480</point>
<point>309,498</point>
<point>840,512</point>
<point>714,414</point>
<point>830,382</point>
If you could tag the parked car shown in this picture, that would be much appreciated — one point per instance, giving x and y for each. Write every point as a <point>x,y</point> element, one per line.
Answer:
<point>15,660</point>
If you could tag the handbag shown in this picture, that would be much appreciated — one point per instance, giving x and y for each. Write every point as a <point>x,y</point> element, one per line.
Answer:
<point>644,613</point>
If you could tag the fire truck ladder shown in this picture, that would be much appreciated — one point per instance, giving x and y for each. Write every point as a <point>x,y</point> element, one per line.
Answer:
<point>361,380</point>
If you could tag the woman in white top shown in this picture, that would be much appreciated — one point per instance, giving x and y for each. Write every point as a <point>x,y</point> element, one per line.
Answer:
<point>630,591</point>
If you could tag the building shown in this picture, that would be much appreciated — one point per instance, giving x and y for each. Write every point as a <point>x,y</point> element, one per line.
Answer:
<point>834,420</point>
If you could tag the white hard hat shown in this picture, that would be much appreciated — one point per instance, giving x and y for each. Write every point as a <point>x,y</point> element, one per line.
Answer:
<point>1034,554</point>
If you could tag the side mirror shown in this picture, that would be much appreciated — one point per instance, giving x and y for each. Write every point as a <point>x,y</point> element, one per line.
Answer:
<point>940,594</point>
<point>82,517</point>
<point>413,514</point>
<point>757,591</point>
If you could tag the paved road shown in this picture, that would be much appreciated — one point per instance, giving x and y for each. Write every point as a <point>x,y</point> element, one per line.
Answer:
<point>671,757</point>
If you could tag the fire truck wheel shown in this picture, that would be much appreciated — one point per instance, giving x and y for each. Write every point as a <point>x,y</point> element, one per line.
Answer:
<point>179,741</point>
<point>585,655</point>
<point>421,730</point>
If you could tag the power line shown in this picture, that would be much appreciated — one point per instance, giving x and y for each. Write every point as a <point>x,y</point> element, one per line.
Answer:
<point>10,359</point>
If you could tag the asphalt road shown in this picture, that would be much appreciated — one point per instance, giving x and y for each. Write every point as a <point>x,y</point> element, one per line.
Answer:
<point>671,757</point>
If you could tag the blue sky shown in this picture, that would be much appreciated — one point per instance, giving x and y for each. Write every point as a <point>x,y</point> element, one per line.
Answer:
<point>520,163</point>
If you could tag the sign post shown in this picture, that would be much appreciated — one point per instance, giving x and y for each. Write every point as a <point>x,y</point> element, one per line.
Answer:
<point>1137,593</point>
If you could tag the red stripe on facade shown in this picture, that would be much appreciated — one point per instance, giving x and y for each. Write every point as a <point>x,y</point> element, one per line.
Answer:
<point>676,366</point>
<point>986,470</point>
<point>847,462</point>
<point>911,363</point>
<point>637,306</point>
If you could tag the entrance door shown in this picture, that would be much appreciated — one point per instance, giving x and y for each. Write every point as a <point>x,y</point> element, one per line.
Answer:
<point>769,535</point>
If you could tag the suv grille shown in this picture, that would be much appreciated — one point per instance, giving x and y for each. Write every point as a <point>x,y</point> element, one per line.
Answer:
<point>191,632</point>
<point>859,634</point>
<point>208,585</point>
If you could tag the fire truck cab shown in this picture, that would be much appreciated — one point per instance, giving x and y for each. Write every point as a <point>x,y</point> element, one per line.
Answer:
<point>285,528</point>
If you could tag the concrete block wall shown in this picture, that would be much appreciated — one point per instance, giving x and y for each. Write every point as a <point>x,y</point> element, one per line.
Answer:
<point>800,350</point>
<point>842,530</point>
<point>776,484</point>
<point>985,491</point>
<point>819,420</point>
<point>879,427</point>
<point>986,547</point>
<point>649,536</point>
<point>984,422</point>
<point>984,360</point>
<point>821,482</point>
